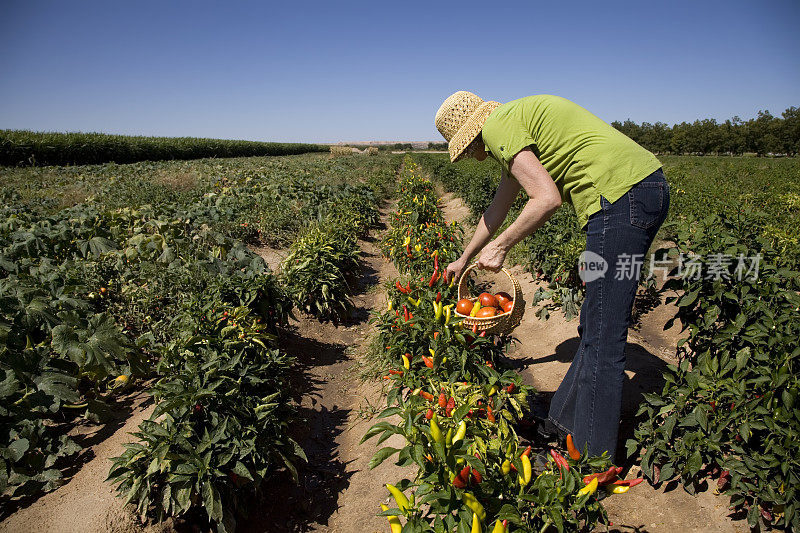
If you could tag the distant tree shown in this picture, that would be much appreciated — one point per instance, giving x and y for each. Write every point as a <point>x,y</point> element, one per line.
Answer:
<point>790,131</point>
<point>763,135</point>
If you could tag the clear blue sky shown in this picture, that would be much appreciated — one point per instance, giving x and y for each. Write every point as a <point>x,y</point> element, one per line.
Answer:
<point>333,71</point>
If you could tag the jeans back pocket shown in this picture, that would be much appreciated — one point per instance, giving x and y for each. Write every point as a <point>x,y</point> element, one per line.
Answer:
<point>647,203</point>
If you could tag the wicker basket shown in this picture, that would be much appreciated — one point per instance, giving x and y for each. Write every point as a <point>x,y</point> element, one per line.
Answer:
<point>504,323</point>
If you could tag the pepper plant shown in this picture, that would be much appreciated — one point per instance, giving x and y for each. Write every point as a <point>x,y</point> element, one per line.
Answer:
<point>730,408</point>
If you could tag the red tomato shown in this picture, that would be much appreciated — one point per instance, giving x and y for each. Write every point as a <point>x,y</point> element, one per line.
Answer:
<point>487,300</point>
<point>463,307</point>
<point>507,306</point>
<point>502,298</point>
<point>486,312</point>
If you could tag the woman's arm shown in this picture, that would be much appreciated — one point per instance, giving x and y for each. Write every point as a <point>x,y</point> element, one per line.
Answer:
<point>489,223</point>
<point>543,202</point>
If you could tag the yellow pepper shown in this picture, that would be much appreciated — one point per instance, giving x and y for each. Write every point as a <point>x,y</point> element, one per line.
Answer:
<point>525,476</point>
<point>436,432</point>
<point>399,497</point>
<point>406,362</point>
<point>475,308</point>
<point>461,432</point>
<point>394,522</point>
<point>470,501</point>
<point>618,489</point>
<point>590,487</point>
<point>476,523</point>
<point>499,527</point>
<point>505,467</point>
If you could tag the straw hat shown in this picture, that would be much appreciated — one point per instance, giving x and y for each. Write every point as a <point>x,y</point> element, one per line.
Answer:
<point>460,120</point>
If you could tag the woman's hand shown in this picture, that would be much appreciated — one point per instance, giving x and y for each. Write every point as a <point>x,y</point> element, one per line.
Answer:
<point>455,269</point>
<point>492,257</point>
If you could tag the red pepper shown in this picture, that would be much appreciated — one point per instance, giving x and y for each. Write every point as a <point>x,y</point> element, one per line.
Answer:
<point>436,262</point>
<point>482,334</point>
<point>442,400</point>
<point>408,250</point>
<point>526,452</point>
<point>433,279</point>
<point>489,415</point>
<point>451,404</point>
<point>405,314</point>
<point>559,459</point>
<point>427,395</point>
<point>429,363</point>
<point>400,287</point>
<point>429,414</point>
<point>574,454</point>
<point>396,372</point>
<point>476,477</point>
<point>628,482</point>
<point>604,478</point>
<point>511,388</point>
<point>438,297</point>
<point>462,478</point>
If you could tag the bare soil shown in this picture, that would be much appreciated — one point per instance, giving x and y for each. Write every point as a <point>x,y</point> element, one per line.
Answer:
<point>87,503</point>
<point>337,491</point>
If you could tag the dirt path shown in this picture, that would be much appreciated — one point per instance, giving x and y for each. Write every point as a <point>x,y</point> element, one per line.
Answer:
<point>543,354</point>
<point>338,492</point>
<point>87,503</point>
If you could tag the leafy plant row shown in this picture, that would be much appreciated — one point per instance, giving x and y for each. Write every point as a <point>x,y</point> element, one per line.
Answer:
<point>730,410</point>
<point>320,267</point>
<point>96,298</point>
<point>21,147</point>
<point>456,403</point>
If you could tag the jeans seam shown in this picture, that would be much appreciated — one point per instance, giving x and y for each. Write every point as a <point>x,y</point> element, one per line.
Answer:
<point>592,404</point>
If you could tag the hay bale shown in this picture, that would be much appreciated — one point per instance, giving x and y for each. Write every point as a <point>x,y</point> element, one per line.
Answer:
<point>339,151</point>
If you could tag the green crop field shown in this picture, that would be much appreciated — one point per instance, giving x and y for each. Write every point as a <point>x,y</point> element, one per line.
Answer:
<point>116,278</point>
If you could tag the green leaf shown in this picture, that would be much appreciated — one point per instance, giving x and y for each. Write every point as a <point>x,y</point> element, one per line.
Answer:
<point>742,356</point>
<point>16,450</point>
<point>212,502</point>
<point>695,463</point>
<point>381,455</point>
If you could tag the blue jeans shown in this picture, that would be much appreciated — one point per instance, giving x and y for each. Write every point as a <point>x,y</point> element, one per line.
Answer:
<point>588,402</point>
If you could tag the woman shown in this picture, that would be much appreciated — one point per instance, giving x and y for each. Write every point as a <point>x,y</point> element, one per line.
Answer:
<point>559,152</point>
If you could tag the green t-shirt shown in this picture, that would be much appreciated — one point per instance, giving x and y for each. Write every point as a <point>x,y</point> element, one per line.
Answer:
<point>585,156</point>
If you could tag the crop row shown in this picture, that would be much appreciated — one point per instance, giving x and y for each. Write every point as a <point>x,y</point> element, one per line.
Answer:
<point>456,402</point>
<point>729,409</point>
<point>95,300</point>
<point>21,147</point>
